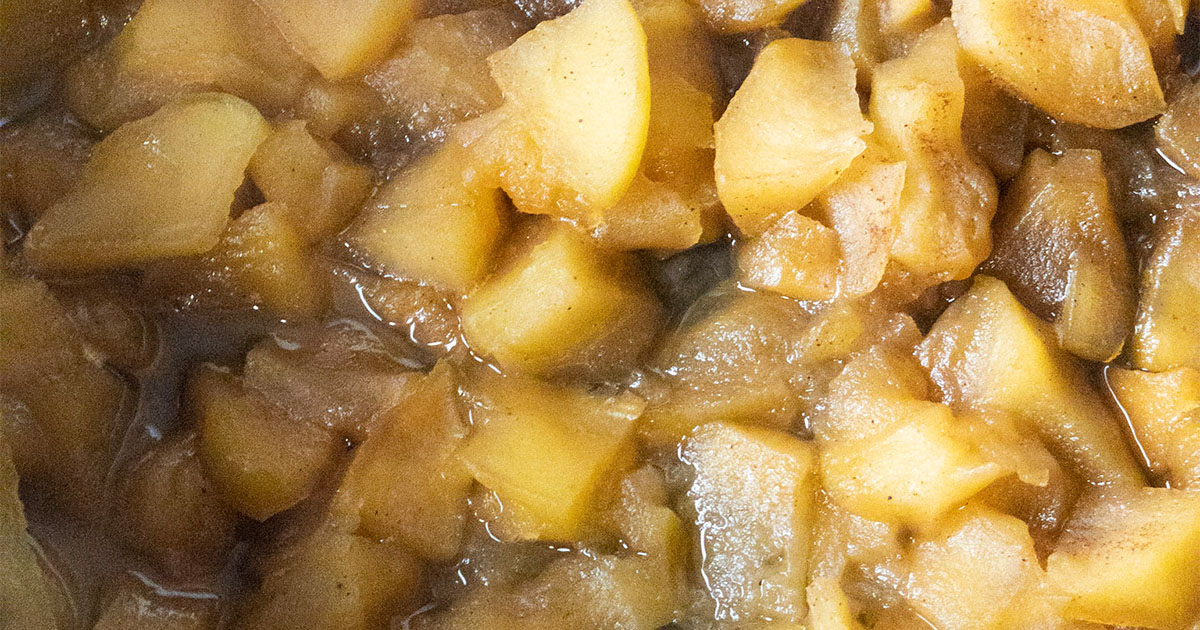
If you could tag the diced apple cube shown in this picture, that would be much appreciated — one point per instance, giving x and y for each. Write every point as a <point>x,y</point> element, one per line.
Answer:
<point>1060,249</point>
<point>563,306</point>
<point>341,39</point>
<point>987,351</point>
<point>792,127</point>
<point>315,181</point>
<point>155,188</point>
<point>261,261</point>
<point>797,256</point>
<point>651,215</point>
<point>577,92</point>
<point>1167,329</point>
<point>1178,130</point>
<point>433,223</point>
<point>544,449</point>
<point>1164,413</point>
<point>1129,559</point>
<point>261,461</point>
<point>753,500</point>
<point>416,443</point>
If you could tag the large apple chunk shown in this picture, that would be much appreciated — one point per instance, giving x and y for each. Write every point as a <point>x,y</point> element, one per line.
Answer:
<point>340,39</point>
<point>793,126</point>
<point>155,188</point>
<point>577,94</point>
<point>1082,61</point>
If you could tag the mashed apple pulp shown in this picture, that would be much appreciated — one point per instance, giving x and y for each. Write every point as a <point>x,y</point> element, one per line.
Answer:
<point>825,315</point>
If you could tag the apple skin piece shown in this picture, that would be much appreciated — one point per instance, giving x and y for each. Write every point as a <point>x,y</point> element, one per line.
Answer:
<point>1081,61</point>
<point>155,188</point>
<point>576,110</point>
<point>792,127</point>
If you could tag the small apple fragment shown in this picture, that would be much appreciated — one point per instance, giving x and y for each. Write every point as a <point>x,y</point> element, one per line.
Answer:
<point>434,223</point>
<point>259,460</point>
<point>1082,61</point>
<point>797,257</point>
<point>948,200</point>
<point>1059,247</point>
<point>737,16</point>
<point>155,188</point>
<point>792,127</point>
<point>1164,413</point>
<point>416,442</point>
<point>1166,332</point>
<point>41,160</point>
<point>261,261</point>
<point>544,449</point>
<point>313,179</point>
<point>1128,558</point>
<point>753,500</point>
<point>1178,130</point>
<point>332,580</point>
<point>563,306</point>
<point>26,592</point>
<point>176,47</point>
<point>136,604</point>
<point>577,101</point>
<point>341,39</point>
<point>988,351</point>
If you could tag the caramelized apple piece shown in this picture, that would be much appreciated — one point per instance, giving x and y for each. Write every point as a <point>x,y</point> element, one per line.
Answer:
<point>173,514</point>
<point>576,120</point>
<point>562,306</point>
<point>735,16</point>
<point>1129,559</point>
<point>1164,414</point>
<point>790,129</point>
<point>987,351</point>
<point>416,442</point>
<point>1060,248</point>
<point>43,158</point>
<point>26,592</point>
<point>155,188</point>
<point>797,256</point>
<point>1082,61</point>
<point>753,500</point>
<point>1166,333</point>
<point>315,181</point>
<point>341,39</point>
<point>175,47</point>
<point>1178,130</point>
<point>261,461</point>
<point>433,223</point>
<point>331,580</point>
<point>135,604</point>
<point>262,261</point>
<point>948,200</point>
<point>544,449</point>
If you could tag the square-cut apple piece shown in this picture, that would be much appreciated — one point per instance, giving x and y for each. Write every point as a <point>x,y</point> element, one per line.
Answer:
<point>753,497</point>
<point>155,188</point>
<point>1166,332</point>
<point>561,306</point>
<point>544,449</point>
<point>433,223</point>
<point>1164,413</point>
<point>341,39</point>
<point>792,127</point>
<point>1128,558</point>
<point>988,351</point>
<point>1081,61</point>
<point>577,91</point>
<point>797,256</point>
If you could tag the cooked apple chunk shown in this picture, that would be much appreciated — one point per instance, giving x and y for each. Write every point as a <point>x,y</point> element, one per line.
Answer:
<point>753,500</point>
<point>433,223</point>
<point>155,188</point>
<point>1167,329</point>
<point>797,256</point>
<point>544,449</point>
<point>1129,559</point>
<point>1082,61</point>
<point>1164,414</point>
<point>26,591</point>
<point>341,39</point>
<point>1060,249</point>
<point>562,306</point>
<point>1178,130</point>
<point>577,101</point>
<point>791,128</point>
<point>988,351</point>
